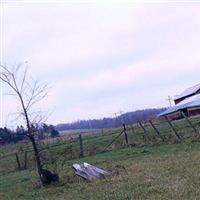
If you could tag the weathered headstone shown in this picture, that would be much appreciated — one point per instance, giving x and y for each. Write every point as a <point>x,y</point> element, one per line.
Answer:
<point>89,172</point>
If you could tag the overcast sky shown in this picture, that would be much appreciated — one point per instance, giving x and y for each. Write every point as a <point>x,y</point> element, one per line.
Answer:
<point>99,58</point>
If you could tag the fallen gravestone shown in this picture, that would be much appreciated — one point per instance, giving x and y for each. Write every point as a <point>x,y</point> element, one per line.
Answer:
<point>89,172</point>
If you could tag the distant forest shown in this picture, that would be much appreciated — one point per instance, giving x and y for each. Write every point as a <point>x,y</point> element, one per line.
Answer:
<point>13,136</point>
<point>127,118</point>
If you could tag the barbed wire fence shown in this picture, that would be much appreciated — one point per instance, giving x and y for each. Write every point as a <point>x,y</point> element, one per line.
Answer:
<point>151,132</point>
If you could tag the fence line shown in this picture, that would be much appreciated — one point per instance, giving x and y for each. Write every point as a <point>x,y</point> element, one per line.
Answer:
<point>151,131</point>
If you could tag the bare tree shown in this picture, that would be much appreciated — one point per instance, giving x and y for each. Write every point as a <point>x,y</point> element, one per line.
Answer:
<point>29,93</point>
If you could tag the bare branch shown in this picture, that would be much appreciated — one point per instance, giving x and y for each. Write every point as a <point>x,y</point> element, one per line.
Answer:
<point>23,80</point>
<point>37,94</point>
<point>16,69</point>
<point>5,78</point>
<point>10,94</point>
<point>28,95</point>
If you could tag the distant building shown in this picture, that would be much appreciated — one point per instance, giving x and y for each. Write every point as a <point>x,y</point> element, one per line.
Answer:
<point>187,93</point>
<point>187,102</point>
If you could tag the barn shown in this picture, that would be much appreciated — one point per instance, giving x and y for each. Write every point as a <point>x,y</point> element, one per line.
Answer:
<point>188,102</point>
<point>189,92</point>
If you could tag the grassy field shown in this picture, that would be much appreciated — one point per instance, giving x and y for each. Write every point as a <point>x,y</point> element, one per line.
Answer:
<point>153,172</point>
<point>144,169</point>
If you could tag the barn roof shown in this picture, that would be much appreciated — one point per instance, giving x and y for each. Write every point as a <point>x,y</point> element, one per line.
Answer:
<point>190,102</point>
<point>188,91</point>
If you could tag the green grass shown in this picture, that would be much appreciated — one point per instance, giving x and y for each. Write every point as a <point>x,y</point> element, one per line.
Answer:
<point>141,170</point>
<point>153,172</point>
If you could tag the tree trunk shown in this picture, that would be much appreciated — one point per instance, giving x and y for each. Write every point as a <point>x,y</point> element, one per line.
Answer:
<point>46,176</point>
<point>32,139</point>
<point>27,100</point>
<point>37,157</point>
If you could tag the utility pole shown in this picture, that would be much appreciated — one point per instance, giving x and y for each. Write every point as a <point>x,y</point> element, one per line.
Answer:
<point>118,114</point>
<point>115,119</point>
<point>169,99</point>
<point>122,118</point>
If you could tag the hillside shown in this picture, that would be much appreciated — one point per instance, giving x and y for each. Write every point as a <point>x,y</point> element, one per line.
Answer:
<point>146,168</point>
<point>159,172</point>
<point>128,118</point>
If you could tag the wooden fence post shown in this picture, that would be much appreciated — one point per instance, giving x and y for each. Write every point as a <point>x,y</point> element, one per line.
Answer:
<point>125,133</point>
<point>156,130</point>
<point>173,128</point>
<point>81,146</point>
<point>18,162</point>
<point>190,123</point>
<point>144,129</point>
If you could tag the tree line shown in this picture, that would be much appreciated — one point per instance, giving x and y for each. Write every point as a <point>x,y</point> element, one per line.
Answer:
<point>127,118</point>
<point>20,133</point>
